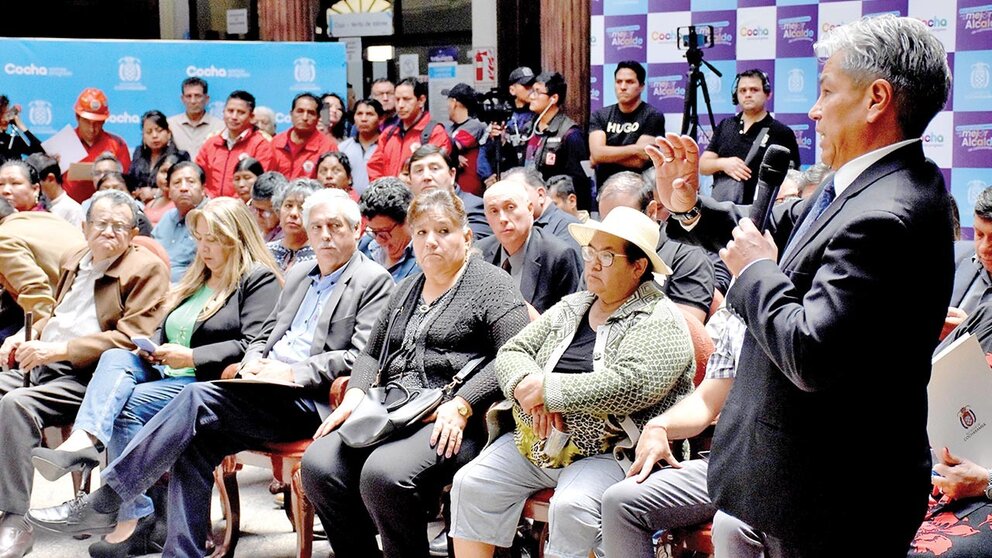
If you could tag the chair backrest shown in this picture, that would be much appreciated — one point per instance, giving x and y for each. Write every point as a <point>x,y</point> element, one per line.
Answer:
<point>702,345</point>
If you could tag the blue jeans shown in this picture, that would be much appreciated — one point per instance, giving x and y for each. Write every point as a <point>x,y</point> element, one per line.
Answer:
<point>124,394</point>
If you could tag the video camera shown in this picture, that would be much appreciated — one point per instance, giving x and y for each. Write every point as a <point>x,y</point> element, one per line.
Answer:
<point>494,108</point>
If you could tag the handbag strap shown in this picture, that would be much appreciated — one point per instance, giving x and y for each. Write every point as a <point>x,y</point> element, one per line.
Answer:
<point>384,356</point>
<point>470,367</point>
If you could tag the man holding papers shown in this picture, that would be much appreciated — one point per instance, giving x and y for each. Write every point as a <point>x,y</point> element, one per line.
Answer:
<point>92,112</point>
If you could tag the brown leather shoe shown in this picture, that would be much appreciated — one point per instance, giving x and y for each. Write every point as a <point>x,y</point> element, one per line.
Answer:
<point>15,542</point>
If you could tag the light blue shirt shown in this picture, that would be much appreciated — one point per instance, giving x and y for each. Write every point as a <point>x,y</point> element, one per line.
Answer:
<point>294,345</point>
<point>359,159</point>
<point>172,234</point>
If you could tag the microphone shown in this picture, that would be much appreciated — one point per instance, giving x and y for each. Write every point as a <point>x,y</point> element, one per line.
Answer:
<point>774,166</point>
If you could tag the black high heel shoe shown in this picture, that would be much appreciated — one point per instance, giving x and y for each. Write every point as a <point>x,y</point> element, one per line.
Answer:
<point>138,544</point>
<point>54,464</point>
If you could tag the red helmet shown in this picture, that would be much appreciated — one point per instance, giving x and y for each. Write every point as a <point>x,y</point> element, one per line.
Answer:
<point>92,104</point>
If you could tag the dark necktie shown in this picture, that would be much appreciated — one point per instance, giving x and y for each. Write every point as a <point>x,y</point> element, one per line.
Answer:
<point>821,204</point>
<point>506,265</point>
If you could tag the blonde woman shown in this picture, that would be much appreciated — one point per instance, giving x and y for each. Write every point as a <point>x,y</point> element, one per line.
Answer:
<point>218,307</point>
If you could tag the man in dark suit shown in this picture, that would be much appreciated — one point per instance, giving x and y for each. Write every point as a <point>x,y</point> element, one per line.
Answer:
<point>430,167</point>
<point>544,267</point>
<point>973,274</point>
<point>318,328</point>
<point>547,215</point>
<point>839,332</point>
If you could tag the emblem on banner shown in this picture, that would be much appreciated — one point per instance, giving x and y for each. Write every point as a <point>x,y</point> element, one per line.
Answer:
<point>40,113</point>
<point>797,79</point>
<point>980,75</point>
<point>129,69</point>
<point>304,70</point>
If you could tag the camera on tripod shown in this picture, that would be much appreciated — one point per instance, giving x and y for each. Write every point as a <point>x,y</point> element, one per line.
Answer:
<point>494,108</point>
<point>695,37</point>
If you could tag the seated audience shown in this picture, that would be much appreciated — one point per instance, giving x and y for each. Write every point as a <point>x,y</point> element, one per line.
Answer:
<point>544,268</point>
<point>50,181</point>
<point>318,329</point>
<point>294,245</point>
<point>561,189</point>
<point>263,191</point>
<point>387,237</point>
<point>691,284</point>
<point>32,244</point>
<point>19,186</point>
<point>108,292</point>
<point>583,378</point>
<point>458,309</point>
<point>161,203</point>
<point>156,142</point>
<point>334,171</point>
<point>430,167</point>
<point>214,313</point>
<point>246,172</point>
<point>186,191</point>
<point>547,216</point>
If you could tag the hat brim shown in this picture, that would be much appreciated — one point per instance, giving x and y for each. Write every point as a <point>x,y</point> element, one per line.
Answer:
<point>94,116</point>
<point>583,233</point>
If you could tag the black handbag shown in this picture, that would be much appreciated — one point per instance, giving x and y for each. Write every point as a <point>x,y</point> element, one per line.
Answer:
<point>391,408</point>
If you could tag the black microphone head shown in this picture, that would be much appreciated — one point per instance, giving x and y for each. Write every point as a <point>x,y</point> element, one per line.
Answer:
<point>774,165</point>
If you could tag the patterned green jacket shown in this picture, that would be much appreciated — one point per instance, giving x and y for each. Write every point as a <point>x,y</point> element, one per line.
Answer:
<point>642,364</point>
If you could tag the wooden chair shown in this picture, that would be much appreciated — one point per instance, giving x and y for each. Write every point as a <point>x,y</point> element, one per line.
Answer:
<point>286,459</point>
<point>536,507</point>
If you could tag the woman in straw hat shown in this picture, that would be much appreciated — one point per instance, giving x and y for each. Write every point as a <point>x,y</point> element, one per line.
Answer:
<point>583,379</point>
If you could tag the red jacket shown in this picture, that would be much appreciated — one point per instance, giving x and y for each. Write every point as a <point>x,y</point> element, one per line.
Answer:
<point>396,145</point>
<point>304,164</point>
<point>81,190</point>
<point>218,161</point>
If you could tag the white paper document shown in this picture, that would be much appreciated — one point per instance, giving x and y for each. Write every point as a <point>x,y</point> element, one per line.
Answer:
<point>960,394</point>
<point>66,144</point>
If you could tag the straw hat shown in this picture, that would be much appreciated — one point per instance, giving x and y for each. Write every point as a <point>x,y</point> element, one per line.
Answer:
<point>630,225</point>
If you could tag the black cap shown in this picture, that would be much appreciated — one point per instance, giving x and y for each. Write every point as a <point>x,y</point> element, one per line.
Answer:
<point>522,76</point>
<point>463,93</point>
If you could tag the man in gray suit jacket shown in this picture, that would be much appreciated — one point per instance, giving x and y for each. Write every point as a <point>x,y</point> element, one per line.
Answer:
<point>973,274</point>
<point>543,267</point>
<point>319,326</point>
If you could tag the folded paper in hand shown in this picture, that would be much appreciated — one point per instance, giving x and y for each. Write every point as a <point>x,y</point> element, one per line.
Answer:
<point>960,394</point>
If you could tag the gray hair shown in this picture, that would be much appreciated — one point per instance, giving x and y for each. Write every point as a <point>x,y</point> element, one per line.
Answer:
<point>631,184</point>
<point>266,111</point>
<point>303,187</point>
<point>900,50</point>
<point>335,197</point>
<point>116,198</point>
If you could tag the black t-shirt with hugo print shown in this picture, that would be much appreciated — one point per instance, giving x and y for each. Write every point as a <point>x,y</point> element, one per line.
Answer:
<point>624,128</point>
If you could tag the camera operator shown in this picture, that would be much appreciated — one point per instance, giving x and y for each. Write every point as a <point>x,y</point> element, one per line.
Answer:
<point>508,136</point>
<point>467,133</point>
<point>19,142</point>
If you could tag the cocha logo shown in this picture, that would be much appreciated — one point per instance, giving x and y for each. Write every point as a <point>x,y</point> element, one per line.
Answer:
<point>305,70</point>
<point>129,69</point>
<point>752,32</point>
<point>40,113</point>
<point>211,71</point>
<point>30,70</point>
<point>124,118</point>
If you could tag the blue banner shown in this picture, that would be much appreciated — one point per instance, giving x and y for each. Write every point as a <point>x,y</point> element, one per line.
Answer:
<point>45,76</point>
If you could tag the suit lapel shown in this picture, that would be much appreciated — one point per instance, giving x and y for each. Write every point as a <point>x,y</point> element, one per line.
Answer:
<point>533,261</point>
<point>324,321</point>
<point>294,300</point>
<point>886,166</point>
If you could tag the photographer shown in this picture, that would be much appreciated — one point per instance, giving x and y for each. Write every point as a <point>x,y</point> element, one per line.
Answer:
<point>508,130</point>
<point>20,142</point>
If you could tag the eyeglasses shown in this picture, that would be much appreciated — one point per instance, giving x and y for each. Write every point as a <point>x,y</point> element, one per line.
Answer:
<point>604,257</point>
<point>535,93</point>
<point>118,228</point>
<point>382,234</point>
<point>263,213</point>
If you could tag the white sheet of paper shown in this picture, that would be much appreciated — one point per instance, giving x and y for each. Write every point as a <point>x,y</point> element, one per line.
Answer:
<point>67,145</point>
<point>960,394</point>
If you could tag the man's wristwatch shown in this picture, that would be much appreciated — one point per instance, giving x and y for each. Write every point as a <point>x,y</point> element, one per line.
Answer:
<point>688,216</point>
<point>463,409</point>
<point>988,487</point>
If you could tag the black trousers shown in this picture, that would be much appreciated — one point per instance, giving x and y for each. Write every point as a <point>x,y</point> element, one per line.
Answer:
<point>191,436</point>
<point>386,489</point>
<point>52,400</point>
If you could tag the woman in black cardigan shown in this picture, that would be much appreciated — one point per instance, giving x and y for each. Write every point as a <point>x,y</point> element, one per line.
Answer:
<point>457,309</point>
<point>217,309</point>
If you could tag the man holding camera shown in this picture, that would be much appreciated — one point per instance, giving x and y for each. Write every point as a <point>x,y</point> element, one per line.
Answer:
<point>508,139</point>
<point>618,133</point>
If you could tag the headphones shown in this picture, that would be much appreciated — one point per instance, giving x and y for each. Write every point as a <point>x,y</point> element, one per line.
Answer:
<point>766,84</point>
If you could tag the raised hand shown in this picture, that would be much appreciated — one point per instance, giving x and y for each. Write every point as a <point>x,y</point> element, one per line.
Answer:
<point>676,162</point>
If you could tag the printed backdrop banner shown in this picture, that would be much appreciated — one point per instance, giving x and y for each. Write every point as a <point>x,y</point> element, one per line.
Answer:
<point>777,36</point>
<point>45,76</point>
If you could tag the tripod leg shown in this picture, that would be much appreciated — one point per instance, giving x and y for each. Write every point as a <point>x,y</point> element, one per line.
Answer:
<point>709,107</point>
